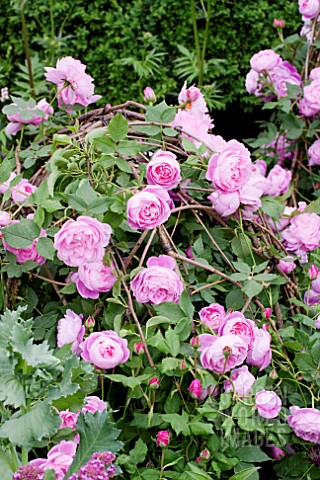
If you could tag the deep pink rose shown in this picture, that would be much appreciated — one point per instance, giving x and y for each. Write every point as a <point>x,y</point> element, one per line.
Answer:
<point>60,457</point>
<point>229,170</point>
<point>158,282</point>
<point>213,315</point>
<point>260,352</point>
<point>267,312</point>
<point>242,381</point>
<point>105,349</point>
<point>21,191</point>
<point>236,323</point>
<point>163,170</point>
<point>71,330</point>
<point>265,60</point>
<point>193,99</point>
<point>314,153</point>
<point>285,265</point>
<point>278,181</point>
<point>225,203</point>
<point>195,389</point>
<point>268,404</point>
<point>69,419</point>
<point>94,404</point>
<point>309,8</point>
<point>303,233</point>
<point>36,117</point>
<point>221,354</point>
<point>163,438</point>
<point>93,279</point>
<point>305,423</point>
<point>312,95</point>
<point>6,185</point>
<point>149,208</point>
<point>81,241</point>
<point>276,452</point>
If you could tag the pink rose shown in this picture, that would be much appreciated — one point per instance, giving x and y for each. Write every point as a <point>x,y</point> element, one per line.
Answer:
<point>236,323</point>
<point>69,419</point>
<point>278,181</point>
<point>314,73</point>
<point>28,253</point>
<point>242,381</point>
<point>305,423</point>
<point>314,153</point>
<point>278,23</point>
<point>94,404</point>
<point>229,170</point>
<point>260,166</point>
<point>60,457</point>
<point>21,191</point>
<point>309,8</point>
<point>306,110</point>
<point>221,354</point>
<point>149,208</point>
<point>215,144</point>
<point>71,330</point>
<point>163,438</point>
<point>303,233</point>
<point>213,315</point>
<point>195,389</point>
<point>158,282</point>
<point>93,279</point>
<point>265,60</point>
<point>6,185</point>
<point>105,349</point>
<point>283,74</point>
<point>225,203</point>
<point>312,95</point>
<point>193,98</point>
<point>268,404</point>
<point>267,312</point>
<point>317,323</point>
<point>285,265</point>
<point>252,82</point>
<point>36,117</point>
<point>5,218</point>
<point>149,96</point>
<point>260,353</point>
<point>81,241</point>
<point>195,126</point>
<point>163,170</point>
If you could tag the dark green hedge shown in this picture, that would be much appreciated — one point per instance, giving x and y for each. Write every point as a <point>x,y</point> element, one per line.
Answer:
<point>100,32</point>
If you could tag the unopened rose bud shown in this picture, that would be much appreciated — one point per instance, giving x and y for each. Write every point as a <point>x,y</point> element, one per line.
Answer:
<point>189,252</point>
<point>273,374</point>
<point>163,438</point>
<point>154,383</point>
<point>198,460</point>
<point>267,313</point>
<point>195,342</point>
<point>90,323</point>
<point>148,95</point>
<point>195,389</point>
<point>276,452</point>
<point>150,464</point>
<point>182,365</point>
<point>138,348</point>
<point>278,23</point>
<point>205,454</point>
<point>313,272</point>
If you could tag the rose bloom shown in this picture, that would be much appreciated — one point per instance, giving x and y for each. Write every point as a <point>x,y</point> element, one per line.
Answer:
<point>229,170</point>
<point>195,127</point>
<point>278,181</point>
<point>286,266</point>
<point>81,241</point>
<point>16,122</point>
<point>309,8</point>
<point>158,282</point>
<point>236,323</point>
<point>305,423</point>
<point>195,388</point>
<point>315,74</point>
<point>213,315</point>
<point>221,354</point>
<point>312,95</point>
<point>260,353</point>
<point>242,381</point>
<point>73,84</point>
<point>314,154</point>
<point>105,349</point>
<point>225,203</point>
<point>94,404</point>
<point>69,419</point>
<point>5,218</point>
<point>71,330</point>
<point>21,191</point>
<point>306,110</point>
<point>283,74</point>
<point>163,438</point>
<point>268,404</point>
<point>6,185</point>
<point>93,279</point>
<point>252,82</point>
<point>60,457</point>
<point>163,170</point>
<point>303,233</point>
<point>264,60</point>
<point>193,98</point>
<point>149,208</point>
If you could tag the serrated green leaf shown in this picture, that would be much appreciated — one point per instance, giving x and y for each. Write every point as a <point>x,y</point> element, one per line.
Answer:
<point>45,248</point>
<point>150,130</point>
<point>118,128</point>
<point>252,454</point>
<point>11,390</point>
<point>22,234</point>
<point>173,342</point>
<point>200,428</point>
<point>186,304</point>
<point>247,473</point>
<point>131,382</point>
<point>240,245</point>
<point>179,423</point>
<point>128,148</point>
<point>196,473</point>
<point>123,165</point>
<point>252,288</point>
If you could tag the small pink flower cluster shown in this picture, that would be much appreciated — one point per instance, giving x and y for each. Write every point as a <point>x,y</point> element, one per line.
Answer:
<point>158,282</point>
<point>31,116</point>
<point>81,243</point>
<point>99,467</point>
<point>270,74</point>
<point>73,84</point>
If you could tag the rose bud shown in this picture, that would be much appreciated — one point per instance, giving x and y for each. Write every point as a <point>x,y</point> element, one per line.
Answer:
<point>163,438</point>
<point>138,348</point>
<point>149,96</point>
<point>154,383</point>
<point>278,23</point>
<point>313,272</point>
<point>195,342</point>
<point>267,313</point>
<point>90,323</point>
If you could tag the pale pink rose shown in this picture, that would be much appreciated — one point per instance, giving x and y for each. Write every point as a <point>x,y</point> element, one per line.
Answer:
<point>283,74</point>
<point>149,95</point>
<point>225,203</point>
<point>312,95</point>
<point>69,419</point>
<point>149,208</point>
<point>260,353</point>
<point>5,218</point>
<point>73,84</point>
<point>36,117</point>
<point>195,389</point>
<point>268,404</point>
<point>252,82</point>
<point>6,185</point>
<point>213,315</point>
<point>252,191</point>
<point>105,349</point>
<point>314,153</point>
<point>306,110</point>
<point>28,253</point>
<point>229,170</point>
<point>157,283</point>
<point>163,170</point>
<point>21,191</point>
<point>194,127</point>
<point>309,8</point>
<point>163,438</point>
<point>193,98</point>
<point>315,74</point>
<point>221,354</point>
<point>278,181</point>
<point>215,144</point>
<point>94,404</point>
<point>285,265</point>
<point>260,166</point>
<point>60,457</point>
<point>81,241</point>
<point>265,60</point>
<point>242,381</point>
<point>71,330</point>
<point>93,279</point>
<point>303,233</point>
<point>317,323</point>
<point>305,423</point>
<point>236,323</point>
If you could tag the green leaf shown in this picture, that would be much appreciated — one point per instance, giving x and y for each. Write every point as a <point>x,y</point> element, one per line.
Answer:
<point>50,475</point>
<point>225,400</point>
<point>252,454</point>
<point>123,165</point>
<point>242,267</point>
<point>186,304</point>
<point>200,428</point>
<point>30,428</point>
<point>170,310</point>
<point>6,169</point>
<point>157,321</point>
<point>168,364</point>
<point>11,390</point>
<point>240,246</point>
<point>173,342</point>
<point>7,465</point>
<point>22,234</point>
<point>252,288</point>
<point>179,423</point>
<point>131,382</point>
<point>128,148</point>
<point>150,130</point>
<point>259,384</point>
<point>45,248</point>
<point>272,207</point>
<point>196,473</point>
<point>105,145</point>
<point>118,128</point>
<point>139,452</point>
<point>97,434</point>
<point>247,473</point>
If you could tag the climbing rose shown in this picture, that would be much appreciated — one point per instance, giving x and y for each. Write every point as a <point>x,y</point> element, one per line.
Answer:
<point>105,349</point>
<point>264,60</point>
<point>305,423</point>
<point>221,354</point>
<point>213,315</point>
<point>303,233</point>
<point>260,352</point>
<point>149,208</point>
<point>242,381</point>
<point>236,323</point>
<point>69,419</point>
<point>21,191</point>
<point>268,404</point>
<point>71,330</point>
<point>163,170</point>
<point>93,279</point>
<point>278,181</point>
<point>309,8</point>
<point>36,113</point>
